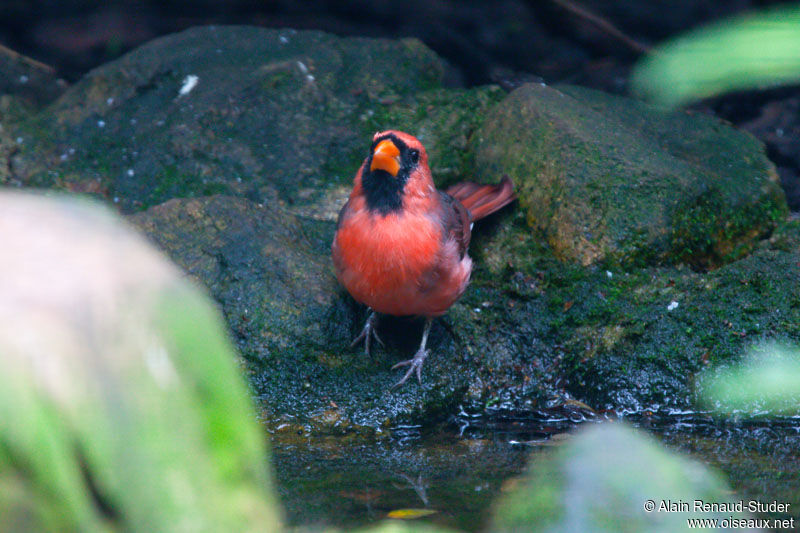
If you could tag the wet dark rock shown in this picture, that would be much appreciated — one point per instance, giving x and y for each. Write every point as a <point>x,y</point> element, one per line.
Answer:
<point>669,329</point>
<point>25,87</point>
<point>542,331</point>
<point>7,148</point>
<point>33,84</point>
<point>528,334</point>
<point>611,180</point>
<point>274,288</point>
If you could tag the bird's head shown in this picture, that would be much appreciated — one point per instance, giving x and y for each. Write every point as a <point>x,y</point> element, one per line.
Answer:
<point>397,163</point>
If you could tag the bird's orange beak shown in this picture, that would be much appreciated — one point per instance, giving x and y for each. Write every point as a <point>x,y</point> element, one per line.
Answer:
<point>386,157</point>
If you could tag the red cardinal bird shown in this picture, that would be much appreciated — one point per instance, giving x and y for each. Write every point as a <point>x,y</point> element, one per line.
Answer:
<point>401,245</point>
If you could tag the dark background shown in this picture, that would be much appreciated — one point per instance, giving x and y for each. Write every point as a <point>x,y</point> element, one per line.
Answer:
<point>503,41</point>
<point>481,38</point>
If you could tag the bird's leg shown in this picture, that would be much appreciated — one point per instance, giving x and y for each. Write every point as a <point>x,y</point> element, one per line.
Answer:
<point>370,330</point>
<point>415,363</point>
<point>418,486</point>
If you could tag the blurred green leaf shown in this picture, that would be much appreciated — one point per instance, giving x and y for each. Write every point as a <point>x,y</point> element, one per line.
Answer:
<point>122,407</point>
<point>609,477</point>
<point>757,50</point>
<point>767,381</point>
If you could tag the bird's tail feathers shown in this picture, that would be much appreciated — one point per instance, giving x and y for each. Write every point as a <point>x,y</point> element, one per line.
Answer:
<point>483,200</point>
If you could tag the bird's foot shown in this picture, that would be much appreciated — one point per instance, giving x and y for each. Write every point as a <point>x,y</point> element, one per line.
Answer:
<point>414,366</point>
<point>369,332</point>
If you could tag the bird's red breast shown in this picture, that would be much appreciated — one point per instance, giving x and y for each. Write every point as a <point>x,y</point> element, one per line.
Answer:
<point>400,245</point>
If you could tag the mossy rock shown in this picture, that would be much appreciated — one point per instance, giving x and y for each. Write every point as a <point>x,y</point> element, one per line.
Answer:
<point>244,111</point>
<point>607,179</point>
<point>675,328</point>
<point>627,341</point>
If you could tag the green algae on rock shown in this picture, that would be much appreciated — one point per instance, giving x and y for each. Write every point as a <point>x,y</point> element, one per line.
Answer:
<point>235,110</point>
<point>535,327</point>
<point>121,408</point>
<point>610,179</point>
<point>444,120</point>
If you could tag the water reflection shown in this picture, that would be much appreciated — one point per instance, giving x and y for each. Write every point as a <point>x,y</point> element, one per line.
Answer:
<point>454,472</point>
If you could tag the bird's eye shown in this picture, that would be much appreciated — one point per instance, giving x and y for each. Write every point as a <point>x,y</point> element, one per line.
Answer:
<point>414,155</point>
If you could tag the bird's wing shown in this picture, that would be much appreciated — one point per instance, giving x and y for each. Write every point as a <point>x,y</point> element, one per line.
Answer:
<point>483,200</point>
<point>456,221</point>
<point>456,224</point>
<point>344,213</point>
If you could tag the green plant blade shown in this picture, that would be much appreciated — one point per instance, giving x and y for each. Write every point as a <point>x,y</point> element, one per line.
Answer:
<point>757,50</point>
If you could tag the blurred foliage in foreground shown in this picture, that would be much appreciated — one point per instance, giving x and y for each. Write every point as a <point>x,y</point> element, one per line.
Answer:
<point>610,477</point>
<point>757,50</point>
<point>767,381</point>
<point>121,405</point>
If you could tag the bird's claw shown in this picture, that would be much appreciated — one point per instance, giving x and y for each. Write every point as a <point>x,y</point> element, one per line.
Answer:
<point>415,366</point>
<point>369,332</point>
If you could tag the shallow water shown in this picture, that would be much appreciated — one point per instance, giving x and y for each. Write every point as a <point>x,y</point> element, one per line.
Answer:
<point>760,458</point>
<point>460,468</point>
